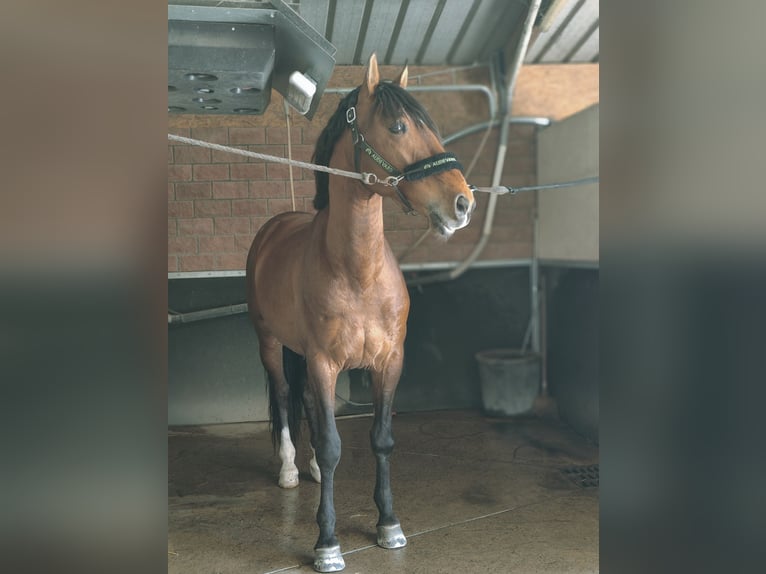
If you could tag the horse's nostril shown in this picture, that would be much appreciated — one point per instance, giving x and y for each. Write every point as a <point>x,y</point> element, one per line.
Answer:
<point>462,205</point>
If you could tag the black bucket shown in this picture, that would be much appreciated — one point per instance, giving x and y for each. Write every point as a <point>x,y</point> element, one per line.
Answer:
<point>510,380</point>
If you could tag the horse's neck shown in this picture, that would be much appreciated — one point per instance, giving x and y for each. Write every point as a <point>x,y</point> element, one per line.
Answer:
<point>355,238</point>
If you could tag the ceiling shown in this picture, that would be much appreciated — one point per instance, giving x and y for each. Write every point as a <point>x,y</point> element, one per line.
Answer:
<point>442,32</point>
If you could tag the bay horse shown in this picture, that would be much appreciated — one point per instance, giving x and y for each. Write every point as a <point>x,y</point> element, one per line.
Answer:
<point>326,294</point>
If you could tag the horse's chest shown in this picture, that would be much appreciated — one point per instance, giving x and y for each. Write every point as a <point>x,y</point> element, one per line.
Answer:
<point>360,334</point>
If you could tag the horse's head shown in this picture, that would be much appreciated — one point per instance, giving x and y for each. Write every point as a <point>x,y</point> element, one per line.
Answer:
<point>396,138</point>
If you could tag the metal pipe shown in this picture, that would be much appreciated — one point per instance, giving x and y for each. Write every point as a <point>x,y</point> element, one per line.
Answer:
<point>524,120</point>
<point>204,314</point>
<point>534,279</point>
<point>500,159</point>
<point>405,267</point>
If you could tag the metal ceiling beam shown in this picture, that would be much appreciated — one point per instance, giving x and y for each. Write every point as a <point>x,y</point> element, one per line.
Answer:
<point>430,31</point>
<point>461,34</point>
<point>397,30</point>
<point>579,44</point>
<point>559,31</point>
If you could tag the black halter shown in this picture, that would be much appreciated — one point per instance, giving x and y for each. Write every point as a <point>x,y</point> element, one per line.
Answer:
<point>429,166</point>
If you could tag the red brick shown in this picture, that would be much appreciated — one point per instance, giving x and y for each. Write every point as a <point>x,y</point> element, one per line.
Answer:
<point>191,154</point>
<point>247,136</point>
<point>196,263</point>
<point>179,172</point>
<point>244,242</point>
<point>218,244</point>
<point>231,261</point>
<point>227,157</point>
<point>248,171</point>
<point>198,226</point>
<point>214,207</point>
<point>281,204</point>
<point>171,191</point>
<point>172,227</point>
<point>232,225</point>
<point>211,172</point>
<point>180,209</point>
<point>182,245</point>
<point>172,263</point>
<point>230,189</point>
<point>193,190</point>
<point>216,135</point>
<point>267,189</point>
<point>256,223</point>
<point>183,132</point>
<point>278,135</point>
<point>279,171</point>
<point>303,188</point>
<point>249,207</point>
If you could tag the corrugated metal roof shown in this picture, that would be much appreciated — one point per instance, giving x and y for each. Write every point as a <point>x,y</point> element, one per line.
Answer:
<point>443,32</point>
<point>569,33</point>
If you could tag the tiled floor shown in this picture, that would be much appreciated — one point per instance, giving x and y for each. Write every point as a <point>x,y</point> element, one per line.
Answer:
<point>474,494</point>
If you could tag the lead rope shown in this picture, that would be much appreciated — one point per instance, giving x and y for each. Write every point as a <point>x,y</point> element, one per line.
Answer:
<point>367,178</point>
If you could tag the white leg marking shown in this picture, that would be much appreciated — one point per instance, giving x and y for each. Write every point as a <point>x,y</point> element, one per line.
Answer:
<point>288,474</point>
<point>314,467</point>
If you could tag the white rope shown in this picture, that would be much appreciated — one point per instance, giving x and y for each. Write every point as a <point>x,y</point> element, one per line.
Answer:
<point>267,157</point>
<point>289,152</point>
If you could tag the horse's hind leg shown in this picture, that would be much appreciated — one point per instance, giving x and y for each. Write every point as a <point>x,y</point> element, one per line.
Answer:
<point>271,356</point>
<point>384,384</point>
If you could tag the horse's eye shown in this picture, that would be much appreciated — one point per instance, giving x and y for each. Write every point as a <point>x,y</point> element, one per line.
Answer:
<point>398,127</point>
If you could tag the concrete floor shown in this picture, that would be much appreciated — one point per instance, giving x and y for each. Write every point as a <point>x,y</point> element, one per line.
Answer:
<point>474,494</point>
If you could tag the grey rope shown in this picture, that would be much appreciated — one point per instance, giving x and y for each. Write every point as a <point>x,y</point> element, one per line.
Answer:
<point>502,189</point>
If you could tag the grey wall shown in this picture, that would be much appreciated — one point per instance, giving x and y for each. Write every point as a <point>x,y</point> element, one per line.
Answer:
<point>572,325</point>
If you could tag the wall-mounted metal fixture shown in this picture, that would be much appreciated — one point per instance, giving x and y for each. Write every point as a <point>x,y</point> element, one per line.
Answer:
<point>224,60</point>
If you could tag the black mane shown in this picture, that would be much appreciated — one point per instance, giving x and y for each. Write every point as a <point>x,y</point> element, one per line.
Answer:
<point>391,101</point>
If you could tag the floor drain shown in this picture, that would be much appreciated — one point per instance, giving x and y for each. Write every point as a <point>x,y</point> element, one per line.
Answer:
<point>583,476</point>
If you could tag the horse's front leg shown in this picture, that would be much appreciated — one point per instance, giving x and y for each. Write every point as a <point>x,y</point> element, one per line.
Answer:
<point>321,380</point>
<point>384,384</point>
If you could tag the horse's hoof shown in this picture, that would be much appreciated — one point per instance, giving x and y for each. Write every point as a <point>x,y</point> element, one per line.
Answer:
<point>328,559</point>
<point>288,478</point>
<point>391,536</point>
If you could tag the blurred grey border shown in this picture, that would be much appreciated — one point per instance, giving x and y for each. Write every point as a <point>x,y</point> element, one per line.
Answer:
<point>82,211</point>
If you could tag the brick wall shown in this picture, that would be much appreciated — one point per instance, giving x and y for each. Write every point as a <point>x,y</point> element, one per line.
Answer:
<point>217,201</point>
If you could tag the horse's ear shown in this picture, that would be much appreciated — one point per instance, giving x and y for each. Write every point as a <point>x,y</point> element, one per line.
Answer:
<point>401,79</point>
<point>372,76</point>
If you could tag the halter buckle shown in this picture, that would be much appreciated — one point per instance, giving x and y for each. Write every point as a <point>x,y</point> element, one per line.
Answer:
<point>351,115</point>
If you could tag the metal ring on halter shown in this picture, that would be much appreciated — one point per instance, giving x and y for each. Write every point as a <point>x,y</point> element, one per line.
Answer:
<point>392,180</point>
<point>370,178</point>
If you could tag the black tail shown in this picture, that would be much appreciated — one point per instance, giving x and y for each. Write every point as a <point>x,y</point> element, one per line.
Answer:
<point>294,367</point>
